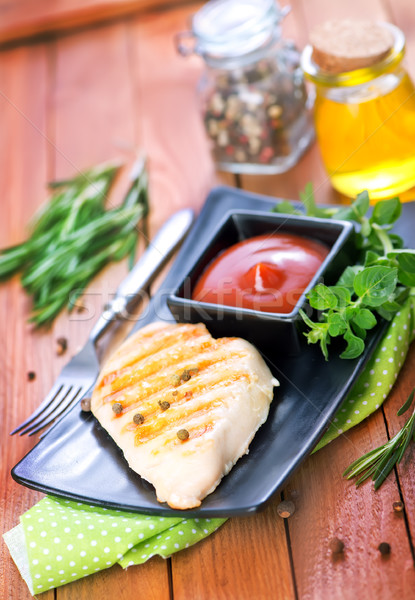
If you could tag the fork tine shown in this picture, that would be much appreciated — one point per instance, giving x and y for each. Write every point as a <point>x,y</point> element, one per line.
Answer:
<point>55,390</point>
<point>61,395</point>
<point>57,401</point>
<point>60,416</point>
<point>73,396</point>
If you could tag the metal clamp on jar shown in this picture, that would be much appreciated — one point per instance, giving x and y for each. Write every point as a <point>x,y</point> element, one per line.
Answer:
<point>254,101</point>
<point>365,106</point>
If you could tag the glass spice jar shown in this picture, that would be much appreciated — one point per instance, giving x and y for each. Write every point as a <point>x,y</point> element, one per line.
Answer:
<point>365,106</point>
<point>255,105</point>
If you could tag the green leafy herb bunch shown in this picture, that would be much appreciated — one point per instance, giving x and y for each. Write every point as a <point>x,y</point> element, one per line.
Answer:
<point>376,286</point>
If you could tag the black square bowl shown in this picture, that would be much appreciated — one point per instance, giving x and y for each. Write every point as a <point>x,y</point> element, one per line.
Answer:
<point>263,329</point>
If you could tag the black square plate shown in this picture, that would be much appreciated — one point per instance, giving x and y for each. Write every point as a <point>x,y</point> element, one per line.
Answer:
<point>78,460</point>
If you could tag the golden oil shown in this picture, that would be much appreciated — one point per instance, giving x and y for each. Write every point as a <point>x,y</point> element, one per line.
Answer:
<point>369,143</point>
<point>365,123</point>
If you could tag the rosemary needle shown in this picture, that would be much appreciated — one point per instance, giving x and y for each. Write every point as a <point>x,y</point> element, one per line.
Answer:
<point>378,463</point>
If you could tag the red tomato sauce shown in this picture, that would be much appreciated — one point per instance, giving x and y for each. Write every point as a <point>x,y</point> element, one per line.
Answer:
<point>267,273</point>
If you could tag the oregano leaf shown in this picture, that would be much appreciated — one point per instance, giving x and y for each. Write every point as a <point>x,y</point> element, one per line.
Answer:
<point>386,212</point>
<point>343,295</point>
<point>405,258</point>
<point>322,298</point>
<point>355,346</point>
<point>337,324</point>
<point>365,319</point>
<point>375,284</point>
<point>348,276</point>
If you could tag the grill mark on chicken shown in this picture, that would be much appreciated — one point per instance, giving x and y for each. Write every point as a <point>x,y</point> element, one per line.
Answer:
<point>167,339</point>
<point>169,427</point>
<point>158,374</point>
<point>171,440</point>
<point>162,330</point>
<point>208,378</point>
<point>203,401</point>
<point>161,359</point>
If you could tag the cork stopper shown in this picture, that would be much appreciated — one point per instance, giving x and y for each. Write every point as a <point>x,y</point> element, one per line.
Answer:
<point>346,45</point>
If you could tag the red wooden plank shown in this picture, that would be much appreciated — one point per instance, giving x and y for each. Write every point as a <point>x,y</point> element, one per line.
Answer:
<point>405,468</point>
<point>169,121</point>
<point>143,582</point>
<point>329,506</point>
<point>23,156</point>
<point>247,558</point>
<point>22,19</point>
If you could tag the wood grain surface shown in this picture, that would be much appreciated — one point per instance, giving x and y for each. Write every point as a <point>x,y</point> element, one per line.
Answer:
<point>22,20</point>
<point>23,118</point>
<point>109,92</point>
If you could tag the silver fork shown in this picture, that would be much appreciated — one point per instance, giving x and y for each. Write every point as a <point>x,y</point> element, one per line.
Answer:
<point>80,373</point>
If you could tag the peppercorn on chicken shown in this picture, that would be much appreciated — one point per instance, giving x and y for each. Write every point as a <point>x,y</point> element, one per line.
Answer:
<point>183,406</point>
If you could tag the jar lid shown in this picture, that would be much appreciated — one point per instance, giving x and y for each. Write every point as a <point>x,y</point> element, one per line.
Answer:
<point>347,53</point>
<point>224,29</point>
<point>347,45</point>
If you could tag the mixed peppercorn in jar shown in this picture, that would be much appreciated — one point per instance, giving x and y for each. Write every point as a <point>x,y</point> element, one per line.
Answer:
<point>254,101</point>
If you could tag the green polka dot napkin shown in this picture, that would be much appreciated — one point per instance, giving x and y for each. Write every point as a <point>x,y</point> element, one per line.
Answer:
<point>58,541</point>
<point>379,375</point>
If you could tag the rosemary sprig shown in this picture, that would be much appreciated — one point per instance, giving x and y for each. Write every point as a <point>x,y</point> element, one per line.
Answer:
<point>378,463</point>
<point>73,237</point>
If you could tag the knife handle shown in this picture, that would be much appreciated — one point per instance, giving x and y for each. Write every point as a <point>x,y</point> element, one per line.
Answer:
<point>149,265</point>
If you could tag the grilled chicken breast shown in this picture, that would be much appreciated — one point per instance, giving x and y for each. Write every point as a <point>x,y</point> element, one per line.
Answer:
<point>183,407</point>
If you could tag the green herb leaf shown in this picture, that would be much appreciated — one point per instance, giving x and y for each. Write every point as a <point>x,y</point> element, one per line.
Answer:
<point>318,333</point>
<point>371,258</point>
<point>359,331</point>
<point>389,308</point>
<point>343,295</point>
<point>321,297</point>
<point>346,214</point>
<point>366,228</point>
<point>405,258</point>
<point>406,264</point>
<point>407,405</point>
<point>355,346</point>
<point>406,278</point>
<point>285,207</point>
<point>362,203</point>
<point>385,314</point>
<point>409,432</point>
<point>351,310</point>
<point>348,276</point>
<point>364,462</point>
<point>309,202</point>
<point>386,212</point>
<point>379,462</point>
<point>379,476</point>
<point>397,241</point>
<point>376,281</point>
<point>365,319</point>
<point>356,210</point>
<point>337,324</point>
<point>375,284</point>
<point>73,237</point>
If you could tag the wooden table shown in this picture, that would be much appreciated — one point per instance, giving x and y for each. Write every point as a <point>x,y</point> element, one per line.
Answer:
<point>72,98</point>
